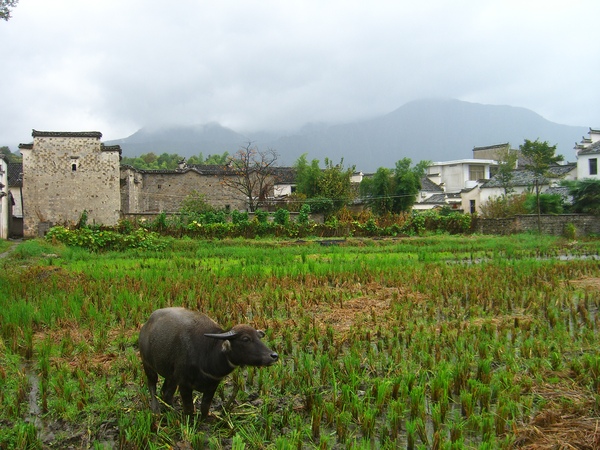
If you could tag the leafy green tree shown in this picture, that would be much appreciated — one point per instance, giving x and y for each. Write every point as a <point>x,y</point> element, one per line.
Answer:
<point>507,163</point>
<point>394,191</point>
<point>547,203</point>
<point>327,190</point>
<point>407,183</point>
<point>586,195</point>
<point>6,7</point>
<point>336,183</point>
<point>378,190</point>
<point>219,160</point>
<point>539,157</point>
<point>307,176</point>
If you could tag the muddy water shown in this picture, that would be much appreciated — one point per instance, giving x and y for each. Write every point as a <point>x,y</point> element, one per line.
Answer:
<point>34,413</point>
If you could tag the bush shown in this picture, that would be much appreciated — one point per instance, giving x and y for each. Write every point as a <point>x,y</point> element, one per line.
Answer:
<point>104,240</point>
<point>282,217</point>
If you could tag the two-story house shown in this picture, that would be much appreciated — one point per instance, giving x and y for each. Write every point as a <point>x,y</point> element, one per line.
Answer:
<point>588,153</point>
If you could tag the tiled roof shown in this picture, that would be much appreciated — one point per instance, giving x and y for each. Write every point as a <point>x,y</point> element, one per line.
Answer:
<point>111,148</point>
<point>15,174</point>
<point>435,199</point>
<point>492,147</point>
<point>523,177</point>
<point>430,186</point>
<point>591,149</point>
<point>83,134</point>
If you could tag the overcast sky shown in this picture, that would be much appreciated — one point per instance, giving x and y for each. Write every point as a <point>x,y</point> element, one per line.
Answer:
<point>115,66</point>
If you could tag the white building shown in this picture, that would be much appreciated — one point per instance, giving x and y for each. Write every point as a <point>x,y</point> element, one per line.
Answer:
<point>454,176</point>
<point>588,152</point>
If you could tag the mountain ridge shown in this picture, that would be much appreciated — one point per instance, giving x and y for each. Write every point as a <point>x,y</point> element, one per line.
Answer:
<point>429,129</point>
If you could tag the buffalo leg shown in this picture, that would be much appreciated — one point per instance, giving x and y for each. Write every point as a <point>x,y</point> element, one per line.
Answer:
<point>168,391</point>
<point>186,399</point>
<point>207,398</point>
<point>152,378</point>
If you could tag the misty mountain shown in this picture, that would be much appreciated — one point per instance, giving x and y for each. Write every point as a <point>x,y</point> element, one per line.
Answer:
<point>436,130</point>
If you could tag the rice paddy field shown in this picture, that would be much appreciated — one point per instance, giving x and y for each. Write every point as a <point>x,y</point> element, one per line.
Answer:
<point>440,342</point>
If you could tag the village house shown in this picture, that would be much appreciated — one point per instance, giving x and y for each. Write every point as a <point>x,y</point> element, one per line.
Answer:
<point>5,210</point>
<point>65,174</point>
<point>588,152</point>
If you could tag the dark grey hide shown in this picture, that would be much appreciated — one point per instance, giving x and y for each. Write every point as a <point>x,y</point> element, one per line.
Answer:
<point>192,352</point>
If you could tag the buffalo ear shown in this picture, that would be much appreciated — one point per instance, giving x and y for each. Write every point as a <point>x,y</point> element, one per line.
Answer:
<point>226,346</point>
<point>227,335</point>
<point>261,333</point>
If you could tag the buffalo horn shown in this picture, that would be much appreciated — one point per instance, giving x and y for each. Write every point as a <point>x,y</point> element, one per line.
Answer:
<point>227,335</point>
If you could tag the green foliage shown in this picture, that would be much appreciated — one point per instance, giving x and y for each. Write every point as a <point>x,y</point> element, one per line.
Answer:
<point>378,191</point>
<point>394,191</point>
<point>282,217</point>
<point>11,157</point>
<point>304,215</point>
<point>239,218</point>
<point>505,170</point>
<point>6,7</point>
<point>320,205</point>
<point>104,240</point>
<point>586,196</point>
<point>504,206</point>
<point>544,204</point>
<point>261,216</point>
<point>195,203</point>
<point>166,161</point>
<point>327,190</point>
<point>307,177</point>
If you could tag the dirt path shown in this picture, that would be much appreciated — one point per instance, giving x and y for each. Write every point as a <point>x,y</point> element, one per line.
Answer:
<point>14,245</point>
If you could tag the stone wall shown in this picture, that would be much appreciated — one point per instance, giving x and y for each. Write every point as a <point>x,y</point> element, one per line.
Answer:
<point>155,191</point>
<point>65,174</point>
<point>550,224</point>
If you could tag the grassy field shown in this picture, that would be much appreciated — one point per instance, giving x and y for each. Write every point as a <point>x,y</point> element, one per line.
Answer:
<point>442,342</point>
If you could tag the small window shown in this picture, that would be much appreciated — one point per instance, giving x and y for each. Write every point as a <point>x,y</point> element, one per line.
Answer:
<point>593,166</point>
<point>472,206</point>
<point>74,164</point>
<point>476,172</point>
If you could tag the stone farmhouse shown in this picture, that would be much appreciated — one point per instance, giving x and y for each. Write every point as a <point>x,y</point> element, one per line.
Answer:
<point>64,174</point>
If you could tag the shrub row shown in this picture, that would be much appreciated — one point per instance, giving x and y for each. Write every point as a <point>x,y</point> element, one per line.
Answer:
<point>219,225</point>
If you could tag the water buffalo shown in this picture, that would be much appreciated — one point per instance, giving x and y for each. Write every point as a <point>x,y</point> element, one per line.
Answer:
<point>192,353</point>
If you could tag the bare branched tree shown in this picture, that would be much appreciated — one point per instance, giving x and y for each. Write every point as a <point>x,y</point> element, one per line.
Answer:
<point>252,173</point>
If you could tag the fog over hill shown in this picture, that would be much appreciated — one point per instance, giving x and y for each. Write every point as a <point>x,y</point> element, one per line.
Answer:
<point>436,130</point>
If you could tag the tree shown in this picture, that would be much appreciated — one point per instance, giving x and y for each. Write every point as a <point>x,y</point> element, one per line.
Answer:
<point>407,183</point>
<point>307,176</point>
<point>327,190</point>
<point>378,190</point>
<point>335,183</point>
<point>394,191</point>
<point>539,157</point>
<point>5,8</point>
<point>507,163</point>
<point>251,172</point>
<point>586,196</point>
